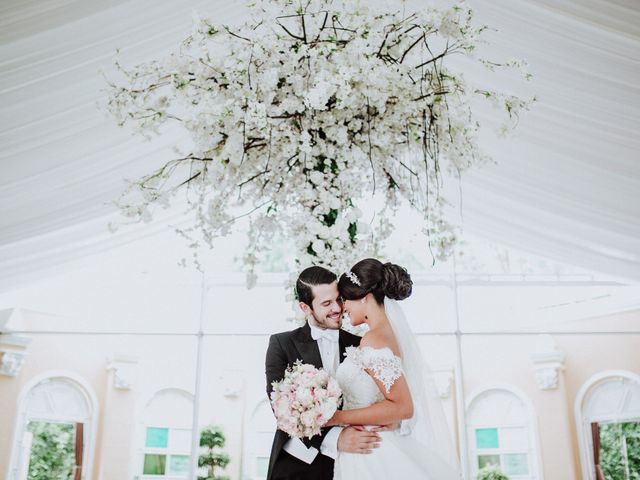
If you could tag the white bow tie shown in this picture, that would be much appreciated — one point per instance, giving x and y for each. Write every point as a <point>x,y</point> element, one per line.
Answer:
<point>331,335</point>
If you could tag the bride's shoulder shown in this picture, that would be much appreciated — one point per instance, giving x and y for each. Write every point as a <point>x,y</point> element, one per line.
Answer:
<point>379,342</point>
<point>377,357</point>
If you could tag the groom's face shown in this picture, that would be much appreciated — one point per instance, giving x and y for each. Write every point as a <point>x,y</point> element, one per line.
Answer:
<point>326,307</point>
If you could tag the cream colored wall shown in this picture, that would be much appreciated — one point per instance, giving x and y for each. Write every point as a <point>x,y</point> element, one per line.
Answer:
<point>48,353</point>
<point>232,362</point>
<point>591,355</point>
<point>505,361</point>
<point>9,391</point>
<point>244,364</point>
<point>164,362</point>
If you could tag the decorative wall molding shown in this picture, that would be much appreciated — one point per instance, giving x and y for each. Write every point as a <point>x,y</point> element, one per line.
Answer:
<point>444,382</point>
<point>547,377</point>
<point>13,350</point>
<point>231,382</point>
<point>548,362</point>
<point>124,371</point>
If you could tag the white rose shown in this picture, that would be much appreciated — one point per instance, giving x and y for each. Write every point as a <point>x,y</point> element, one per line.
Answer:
<point>282,408</point>
<point>333,388</point>
<point>363,228</point>
<point>270,79</point>
<point>354,214</point>
<point>303,395</point>
<point>317,178</point>
<point>322,377</point>
<point>334,202</point>
<point>308,418</point>
<point>337,244</point>
<point>318,96</point>
<point>329,407</point>
<point>318,246</point>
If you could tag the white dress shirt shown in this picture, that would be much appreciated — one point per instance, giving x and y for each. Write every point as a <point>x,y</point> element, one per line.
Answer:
<point>328,344</point>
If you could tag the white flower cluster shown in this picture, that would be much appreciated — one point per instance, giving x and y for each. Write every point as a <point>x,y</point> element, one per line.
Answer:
<point>304,112</point>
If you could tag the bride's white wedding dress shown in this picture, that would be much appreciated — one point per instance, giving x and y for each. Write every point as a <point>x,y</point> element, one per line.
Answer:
<point>418,451</point>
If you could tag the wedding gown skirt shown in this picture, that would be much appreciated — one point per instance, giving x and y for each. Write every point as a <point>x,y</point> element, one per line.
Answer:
<point>399,455</point>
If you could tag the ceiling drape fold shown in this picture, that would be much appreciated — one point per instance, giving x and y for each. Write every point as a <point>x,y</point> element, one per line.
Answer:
<point>566,186</point>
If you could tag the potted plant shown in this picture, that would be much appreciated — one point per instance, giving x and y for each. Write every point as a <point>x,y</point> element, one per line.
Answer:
<point>213,460</point>
<point>491,472</point>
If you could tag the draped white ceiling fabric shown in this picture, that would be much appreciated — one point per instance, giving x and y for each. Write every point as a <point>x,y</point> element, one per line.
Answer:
<point>566,187</point>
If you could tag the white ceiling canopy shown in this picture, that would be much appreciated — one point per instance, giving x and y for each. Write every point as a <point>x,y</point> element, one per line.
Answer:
<point>566,187</point>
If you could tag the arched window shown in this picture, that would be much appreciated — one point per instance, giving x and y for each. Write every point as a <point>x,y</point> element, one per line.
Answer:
<point>607,400</point>
<point>501,432</point>
<point>57,412</point>
<point>258,440</point>
<point>166,435</point>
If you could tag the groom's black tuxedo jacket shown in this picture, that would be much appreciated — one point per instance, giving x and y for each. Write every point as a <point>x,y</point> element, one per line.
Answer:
<point>284,349</point>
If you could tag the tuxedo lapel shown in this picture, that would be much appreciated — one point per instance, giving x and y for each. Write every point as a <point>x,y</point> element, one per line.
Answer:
<point>342,343</point>
<point>345,340</point>
<point>307,347</point>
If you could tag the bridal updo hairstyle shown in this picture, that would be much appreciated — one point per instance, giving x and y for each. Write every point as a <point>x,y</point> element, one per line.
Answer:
<point>380,279</point>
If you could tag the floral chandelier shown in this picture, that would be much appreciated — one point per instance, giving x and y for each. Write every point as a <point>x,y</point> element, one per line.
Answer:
<point>303,113</point>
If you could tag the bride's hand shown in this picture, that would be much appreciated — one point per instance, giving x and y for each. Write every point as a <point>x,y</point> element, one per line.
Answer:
<point>335,420</point>
<point>386,428</point>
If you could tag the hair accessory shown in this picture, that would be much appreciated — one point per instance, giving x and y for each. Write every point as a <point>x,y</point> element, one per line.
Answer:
<point>353,277</point>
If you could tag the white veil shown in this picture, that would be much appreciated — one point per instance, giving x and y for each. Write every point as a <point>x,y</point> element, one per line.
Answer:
<point>428,424</point>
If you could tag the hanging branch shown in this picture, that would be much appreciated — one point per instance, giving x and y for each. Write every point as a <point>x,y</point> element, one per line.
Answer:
<point>286,121</point>
<point>373,171</point>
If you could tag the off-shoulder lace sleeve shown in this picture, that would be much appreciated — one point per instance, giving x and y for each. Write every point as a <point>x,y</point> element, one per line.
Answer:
<point>386,366</point>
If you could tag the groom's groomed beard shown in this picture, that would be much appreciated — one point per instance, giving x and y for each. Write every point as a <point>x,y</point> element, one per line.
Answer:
<point>331,321</point>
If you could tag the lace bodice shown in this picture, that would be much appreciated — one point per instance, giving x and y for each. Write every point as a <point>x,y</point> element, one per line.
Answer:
<point>358,388</point>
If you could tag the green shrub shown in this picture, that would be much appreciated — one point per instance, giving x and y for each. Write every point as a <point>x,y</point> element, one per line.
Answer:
<point>613,436</point>
<point>213,459</point>
<point>491,472</point>
<point>52,451</point>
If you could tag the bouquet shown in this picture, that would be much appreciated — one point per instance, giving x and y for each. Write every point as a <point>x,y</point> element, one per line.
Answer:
<point>304,400</point>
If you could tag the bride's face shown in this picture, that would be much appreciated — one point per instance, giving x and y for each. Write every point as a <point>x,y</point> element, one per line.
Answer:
<point>356,310</point>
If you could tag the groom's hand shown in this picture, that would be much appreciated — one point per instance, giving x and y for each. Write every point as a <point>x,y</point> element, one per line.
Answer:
<point>386,428</point>
<point>356,440</point>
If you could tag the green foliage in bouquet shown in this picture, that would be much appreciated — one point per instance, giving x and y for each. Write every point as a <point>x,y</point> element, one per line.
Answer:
<point>213,439</point>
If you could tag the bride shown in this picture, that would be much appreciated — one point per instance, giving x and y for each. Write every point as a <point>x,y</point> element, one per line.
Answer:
<point>385,381</point>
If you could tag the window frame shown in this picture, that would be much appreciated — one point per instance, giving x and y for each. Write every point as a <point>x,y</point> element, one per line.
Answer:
<point>251,450</point>
<point>501,451</point>
<point>23,417</point>
<point>140,443</point>
<point>534,460</point>
<point>583,419</point>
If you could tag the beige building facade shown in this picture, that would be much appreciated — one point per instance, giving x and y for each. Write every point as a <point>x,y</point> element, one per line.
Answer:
<point>529,398</point>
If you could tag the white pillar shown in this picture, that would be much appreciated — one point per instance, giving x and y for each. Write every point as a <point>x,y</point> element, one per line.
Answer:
<point>460,397</point>
<point>195,433</point>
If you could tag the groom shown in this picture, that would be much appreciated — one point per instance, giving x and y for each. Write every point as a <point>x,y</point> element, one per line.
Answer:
<point>321,343</point>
